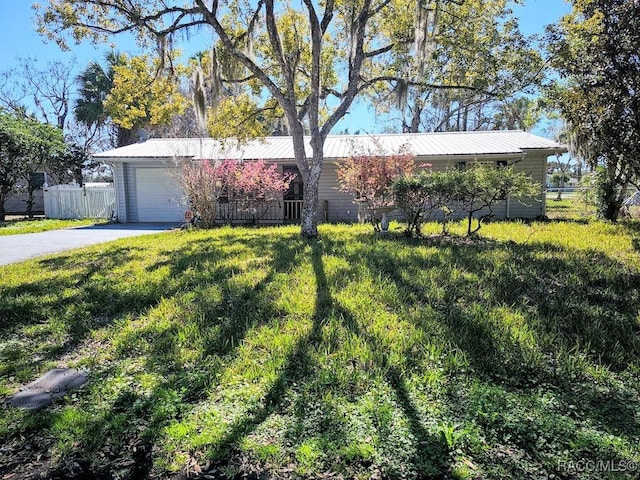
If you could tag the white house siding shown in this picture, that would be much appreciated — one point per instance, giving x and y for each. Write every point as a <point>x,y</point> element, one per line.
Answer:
<point>119,184</point>
<point>451,162</point>
<point>341,207</point>
<point>441,150</point>
<point>131,193</point>
<point>536,166</point>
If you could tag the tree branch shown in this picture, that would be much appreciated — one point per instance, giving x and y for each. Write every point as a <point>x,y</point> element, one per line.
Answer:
<point>276,44</point>
<point>316,53</point>
<point>379,51</point>
<point>355,67</point>
<point>260,74</point>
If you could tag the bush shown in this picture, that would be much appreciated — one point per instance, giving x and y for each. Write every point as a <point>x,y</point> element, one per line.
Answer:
<point>424,197</point>
<point>603,193</point>
<point>473,192</point>
<point>481,187</point>
<point>202,184</point>
<point>369,178</point>
<point>251,186</point>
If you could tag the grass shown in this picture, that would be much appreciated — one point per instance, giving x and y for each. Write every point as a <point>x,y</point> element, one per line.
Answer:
<point>572,206</point>
<point>17,227</point>
<point>249,351</point>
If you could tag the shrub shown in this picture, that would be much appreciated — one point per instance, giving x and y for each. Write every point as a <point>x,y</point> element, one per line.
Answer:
<point>251,186</point>
<point>369,179</point>
<point>256,186</point>
<point>203,183</point>
<point>423,197</point>
<point>481,187</point>
<point>473,193</point>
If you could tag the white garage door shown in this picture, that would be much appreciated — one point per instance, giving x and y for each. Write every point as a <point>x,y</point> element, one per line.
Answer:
<point>158,197</point>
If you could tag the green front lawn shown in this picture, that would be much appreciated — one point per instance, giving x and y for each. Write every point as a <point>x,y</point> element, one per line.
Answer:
<point>244,351</point>
<point>17,227</point>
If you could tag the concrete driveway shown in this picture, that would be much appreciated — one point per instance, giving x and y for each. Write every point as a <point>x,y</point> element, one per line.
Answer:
<point>15,248</point>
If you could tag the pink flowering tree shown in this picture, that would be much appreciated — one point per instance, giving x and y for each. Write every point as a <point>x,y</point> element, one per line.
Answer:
<point>257,187</point>
<point>203,183</point>
<point>369,178</point>
<point>231,190</point>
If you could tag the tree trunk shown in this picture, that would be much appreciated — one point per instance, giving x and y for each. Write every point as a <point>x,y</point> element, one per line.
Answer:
<point>310,170</point>
<point>416,113</point>
<point>309,221</point>
<point>3,198</point>
<point>465,118</point>
<point>610,199</point>
<point>30,202</point>
<point>611,203</point>
<point>77,175</point>
<point>125,136</point>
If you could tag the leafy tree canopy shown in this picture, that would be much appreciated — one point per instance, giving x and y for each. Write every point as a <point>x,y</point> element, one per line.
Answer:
<point>310,59</point>
<point>26,146</point>
<point>595,50</point>
<point>477,69</point>
<point>142,94</point>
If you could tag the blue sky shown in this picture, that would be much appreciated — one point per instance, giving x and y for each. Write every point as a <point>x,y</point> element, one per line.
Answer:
<point>536,14</point>
<point>19,39</point>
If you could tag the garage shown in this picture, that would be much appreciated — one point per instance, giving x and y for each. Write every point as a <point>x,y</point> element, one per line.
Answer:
<point>158,197</point>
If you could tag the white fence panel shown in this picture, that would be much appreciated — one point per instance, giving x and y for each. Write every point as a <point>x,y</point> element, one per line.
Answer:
<point>88,201</point>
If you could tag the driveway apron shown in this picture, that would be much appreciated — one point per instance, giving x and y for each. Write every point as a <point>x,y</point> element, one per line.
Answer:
<point>16,248</point>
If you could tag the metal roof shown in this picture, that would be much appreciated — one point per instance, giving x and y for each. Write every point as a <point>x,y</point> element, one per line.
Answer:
<point>341,146</point>
<point>633,200</point>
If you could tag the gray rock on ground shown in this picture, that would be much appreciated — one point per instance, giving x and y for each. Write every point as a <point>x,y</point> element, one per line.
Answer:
<point>54,384</point>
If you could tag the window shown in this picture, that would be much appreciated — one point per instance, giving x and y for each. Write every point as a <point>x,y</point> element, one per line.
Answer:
<point>37,180</point>
<point>224,195</point>
<point>296,186</point>
<point>501,164</point>
<point>484,163</point>
<point>461,166</point>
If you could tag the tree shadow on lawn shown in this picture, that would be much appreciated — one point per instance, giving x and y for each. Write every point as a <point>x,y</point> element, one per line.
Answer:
<point>50,317</point>
<point>222,319</point>
<point>127,425</point>
<point>445,292</point>
<point>581,300</point>
<point>299,376</point>
<point>531,320</point>
<point>87,299</point>
<point>528,282</point>
<point>632,226</point>
<point>53,314</point>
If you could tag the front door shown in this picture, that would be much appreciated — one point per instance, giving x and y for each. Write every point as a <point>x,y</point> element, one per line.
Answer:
<point>293,196</point>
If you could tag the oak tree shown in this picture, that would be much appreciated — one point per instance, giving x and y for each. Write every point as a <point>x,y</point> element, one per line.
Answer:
<point>314,59</point>
<point>477,69</point>
<point>595,51</point>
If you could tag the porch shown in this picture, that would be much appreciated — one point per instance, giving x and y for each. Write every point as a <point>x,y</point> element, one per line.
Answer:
<point>283,211</point>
